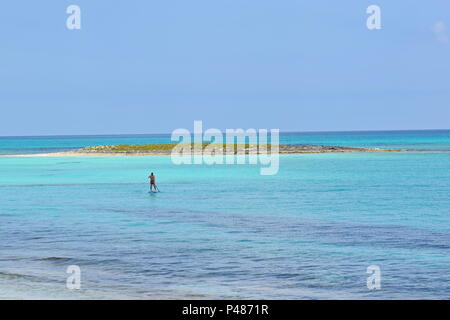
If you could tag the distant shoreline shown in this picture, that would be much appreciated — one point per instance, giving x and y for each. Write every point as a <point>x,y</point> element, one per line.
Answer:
<point>166,149</point>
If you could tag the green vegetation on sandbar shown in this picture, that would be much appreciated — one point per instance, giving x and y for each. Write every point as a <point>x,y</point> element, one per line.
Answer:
<point>237,148</point>
<point>158,147</point>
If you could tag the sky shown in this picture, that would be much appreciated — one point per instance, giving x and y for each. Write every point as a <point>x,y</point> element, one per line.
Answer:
<point>155,66</point>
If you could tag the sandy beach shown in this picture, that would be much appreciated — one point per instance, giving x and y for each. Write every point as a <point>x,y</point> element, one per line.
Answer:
<point>108,151</point>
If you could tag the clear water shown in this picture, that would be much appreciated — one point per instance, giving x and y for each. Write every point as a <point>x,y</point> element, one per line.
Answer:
<point>226,231</point>
<point>433,140</point>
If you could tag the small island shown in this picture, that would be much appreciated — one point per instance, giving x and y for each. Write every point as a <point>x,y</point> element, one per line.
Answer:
<point>166,149</point>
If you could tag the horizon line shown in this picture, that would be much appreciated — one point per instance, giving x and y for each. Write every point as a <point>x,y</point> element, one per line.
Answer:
<point>156,134</point>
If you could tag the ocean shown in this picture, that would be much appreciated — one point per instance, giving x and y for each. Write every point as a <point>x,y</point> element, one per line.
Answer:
<point>225,231</point>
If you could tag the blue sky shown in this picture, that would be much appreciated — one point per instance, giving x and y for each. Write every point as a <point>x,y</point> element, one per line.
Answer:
<point>154,66</point>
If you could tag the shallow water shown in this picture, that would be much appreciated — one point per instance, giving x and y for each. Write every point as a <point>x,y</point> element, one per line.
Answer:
<point>225,231</point>
<point>431,140</point>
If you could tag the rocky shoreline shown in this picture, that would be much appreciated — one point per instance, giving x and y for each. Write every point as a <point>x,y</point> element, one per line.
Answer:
<point>161,150</point>
<point>283,149</point>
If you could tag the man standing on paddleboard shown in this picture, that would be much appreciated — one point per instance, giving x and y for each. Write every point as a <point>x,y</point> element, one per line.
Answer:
<point>152,181</point>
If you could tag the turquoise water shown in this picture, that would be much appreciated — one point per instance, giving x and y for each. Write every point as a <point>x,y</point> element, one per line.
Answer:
<point>225,231</point>
<point>433,140</point>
